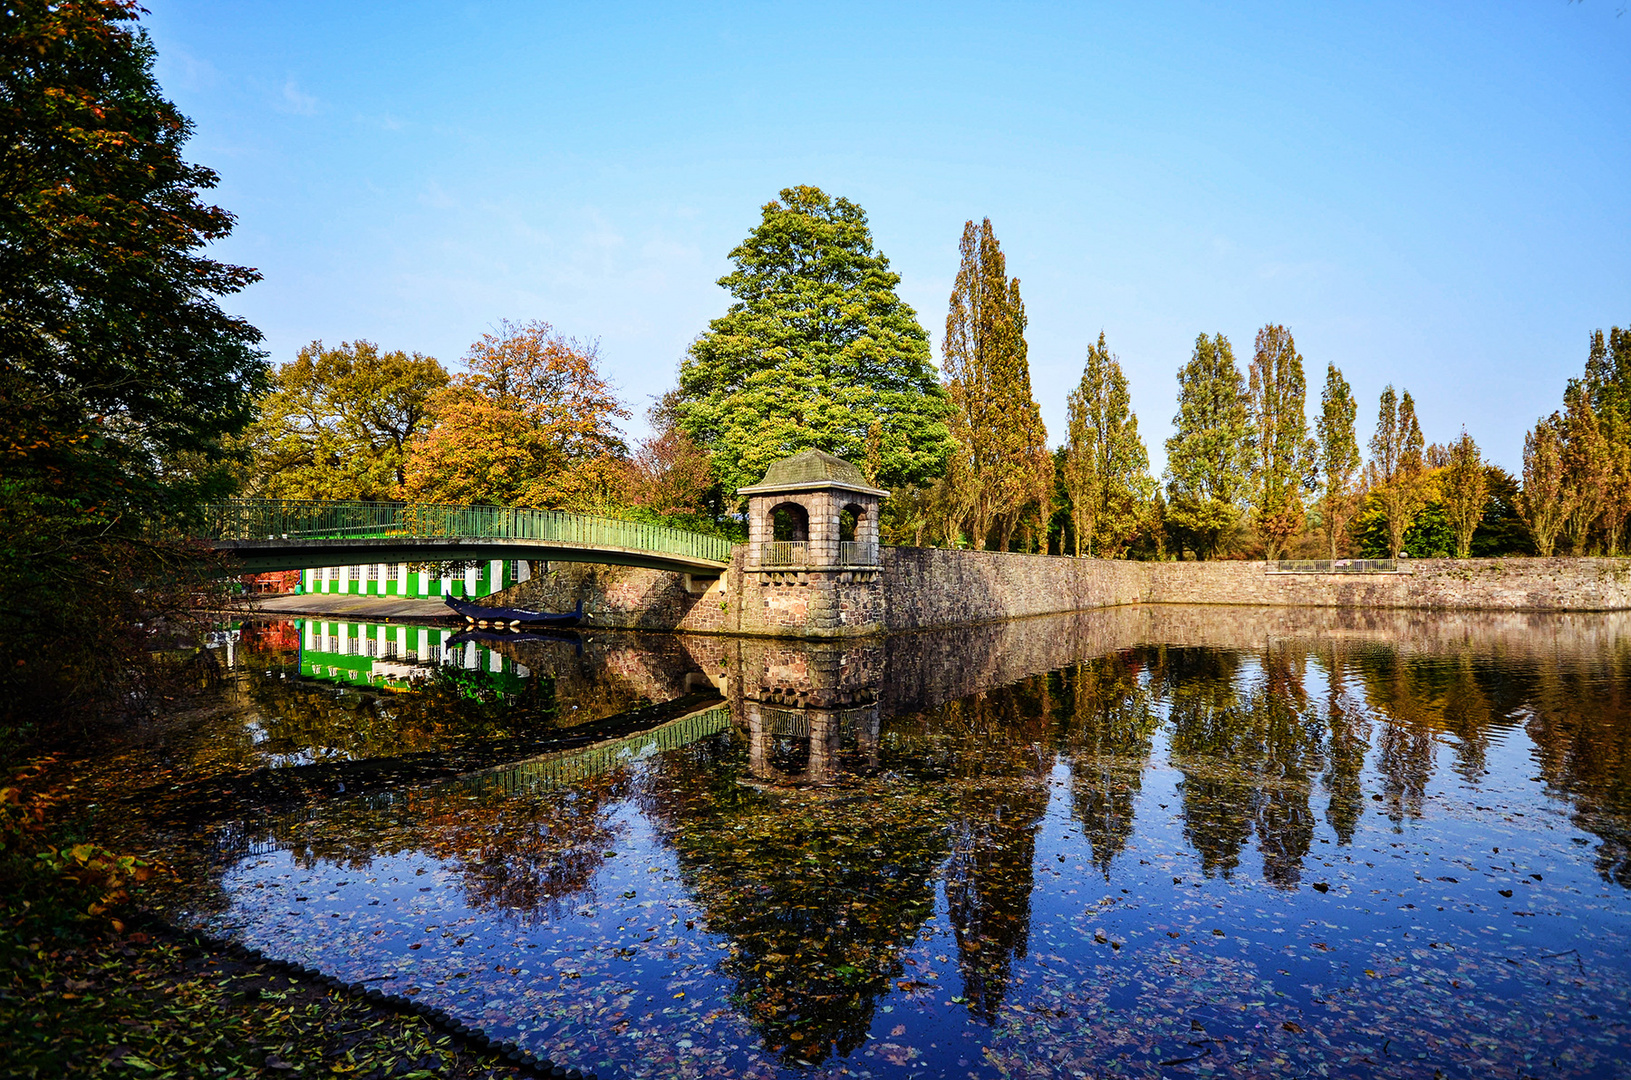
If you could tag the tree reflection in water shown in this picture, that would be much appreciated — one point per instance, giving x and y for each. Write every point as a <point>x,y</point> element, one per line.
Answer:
<point>1247,742</point>
<point>1109,719</point>
<point>818,889</point>
<point>999,786</point>
<point>1347,726</point>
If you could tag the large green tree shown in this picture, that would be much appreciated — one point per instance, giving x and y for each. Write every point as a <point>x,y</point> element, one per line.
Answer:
<point>1338,453</point>
<point>1284,456</point>
<point>1209,455</point>
<point>1105,467</point>
<point>122,381</point>
<point>1001,467</point>
<point>338,423</point>
<point>816,350</point>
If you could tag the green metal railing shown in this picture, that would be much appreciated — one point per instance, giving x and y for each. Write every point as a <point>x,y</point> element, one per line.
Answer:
<point>1338,566</point>
<point>575,766</point>
<point>300,519</point>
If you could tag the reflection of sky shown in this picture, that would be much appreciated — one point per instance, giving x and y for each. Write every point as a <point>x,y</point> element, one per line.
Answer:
<point>1412,960</point>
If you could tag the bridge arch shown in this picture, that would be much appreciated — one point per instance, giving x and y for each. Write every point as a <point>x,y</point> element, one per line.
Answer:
<point>284,534</point>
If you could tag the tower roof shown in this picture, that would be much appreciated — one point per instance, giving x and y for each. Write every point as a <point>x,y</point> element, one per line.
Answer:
<point>812,469</point>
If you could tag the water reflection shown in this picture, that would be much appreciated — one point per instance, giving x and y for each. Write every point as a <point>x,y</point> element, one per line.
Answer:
<point>1067,841</point>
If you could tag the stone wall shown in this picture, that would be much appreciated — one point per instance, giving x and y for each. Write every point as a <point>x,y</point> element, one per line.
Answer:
<point>1566,584</point>
<point>927,588</point>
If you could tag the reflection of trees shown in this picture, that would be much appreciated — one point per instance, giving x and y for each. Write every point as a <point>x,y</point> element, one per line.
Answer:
<point>299,721</point>
<point>1000,790</point>
<point>818,890</point>
<point>522,854</point>
<point>1246,754</point>
<point>1349,739</point>
<point>519,853</point>
<point>1207,732</point>
<point>1580,721</point>
<point>1111,720</point>
<point>1406,746</point>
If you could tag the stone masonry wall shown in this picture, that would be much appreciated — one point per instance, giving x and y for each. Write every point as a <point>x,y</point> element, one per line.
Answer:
<point>1565,584</point>
<point>932,587</point>
<point>925,588</point>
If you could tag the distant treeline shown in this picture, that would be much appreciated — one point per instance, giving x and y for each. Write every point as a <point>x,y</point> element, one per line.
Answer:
<point>818,350</point>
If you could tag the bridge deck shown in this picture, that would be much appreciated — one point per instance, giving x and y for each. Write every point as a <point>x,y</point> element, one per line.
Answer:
<point>282,534</point>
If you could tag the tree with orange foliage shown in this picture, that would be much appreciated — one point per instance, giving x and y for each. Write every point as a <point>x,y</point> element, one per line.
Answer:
<point>674,477</point>
<point>531,422</point>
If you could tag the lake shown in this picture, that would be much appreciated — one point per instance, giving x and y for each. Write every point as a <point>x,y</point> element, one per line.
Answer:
<point>1159,841</point>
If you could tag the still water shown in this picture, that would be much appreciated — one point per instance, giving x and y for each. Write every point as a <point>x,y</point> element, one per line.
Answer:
<point>1143,842</point>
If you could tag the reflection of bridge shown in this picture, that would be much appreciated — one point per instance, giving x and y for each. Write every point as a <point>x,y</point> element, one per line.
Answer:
<point>550,771</point>
<point>288,534</point>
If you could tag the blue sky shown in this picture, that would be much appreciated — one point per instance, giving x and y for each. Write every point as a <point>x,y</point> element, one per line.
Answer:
<point>1433,195</point>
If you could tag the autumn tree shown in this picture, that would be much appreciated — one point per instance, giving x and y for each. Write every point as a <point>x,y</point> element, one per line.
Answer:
<point>1465,492</point>
<point>1001,462</point>
<point>1209,455</point>
<point>1587,465</point>
<point>1105,467</point>
<point>816,350</point>
<point>1338,453</point>
<point>122,380</point>
<point>530,422</point>
<point>1616,494</point>
<point>1396,470</point>
<point>337,423</point>
<point>672,478</point>
<point>1607,382</point>
<point>1546,490</point>
<point>1284,457</point>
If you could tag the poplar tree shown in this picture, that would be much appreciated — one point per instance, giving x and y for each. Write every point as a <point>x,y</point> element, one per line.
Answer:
<point>1338,452</point>
<point>1466,490</point>
<point>816,350</point>
<point>1608,385</point>
<point>1586,464</point>
<point>1284,453</point>
<point>1545,498</point>
<point>1106,468</point>
<point>1396,467</point>
<point>1002,461</point>
<point>1616,496</point>
<point>1209,456</point>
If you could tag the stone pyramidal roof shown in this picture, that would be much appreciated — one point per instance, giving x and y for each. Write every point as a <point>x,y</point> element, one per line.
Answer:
<point>812,468</point>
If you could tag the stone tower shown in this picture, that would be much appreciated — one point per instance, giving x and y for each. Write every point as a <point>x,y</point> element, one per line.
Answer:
<point>812,554</point>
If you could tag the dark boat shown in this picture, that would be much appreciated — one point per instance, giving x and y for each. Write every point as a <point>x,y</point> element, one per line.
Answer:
<point>504,616</point>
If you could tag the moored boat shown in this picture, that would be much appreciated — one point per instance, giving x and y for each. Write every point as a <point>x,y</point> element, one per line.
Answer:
<point>500,617</point>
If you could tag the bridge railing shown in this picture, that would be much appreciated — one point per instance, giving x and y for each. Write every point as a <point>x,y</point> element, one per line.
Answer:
<point>302,519</point>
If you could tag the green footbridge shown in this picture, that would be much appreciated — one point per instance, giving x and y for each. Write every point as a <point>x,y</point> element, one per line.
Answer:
<point>296,534</point>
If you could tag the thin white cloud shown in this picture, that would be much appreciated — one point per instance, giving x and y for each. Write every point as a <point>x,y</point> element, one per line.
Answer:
<point>297,101</point>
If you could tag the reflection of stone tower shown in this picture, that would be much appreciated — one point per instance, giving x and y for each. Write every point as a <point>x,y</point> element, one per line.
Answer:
<point>812,553</point>
<point>809,710</point>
